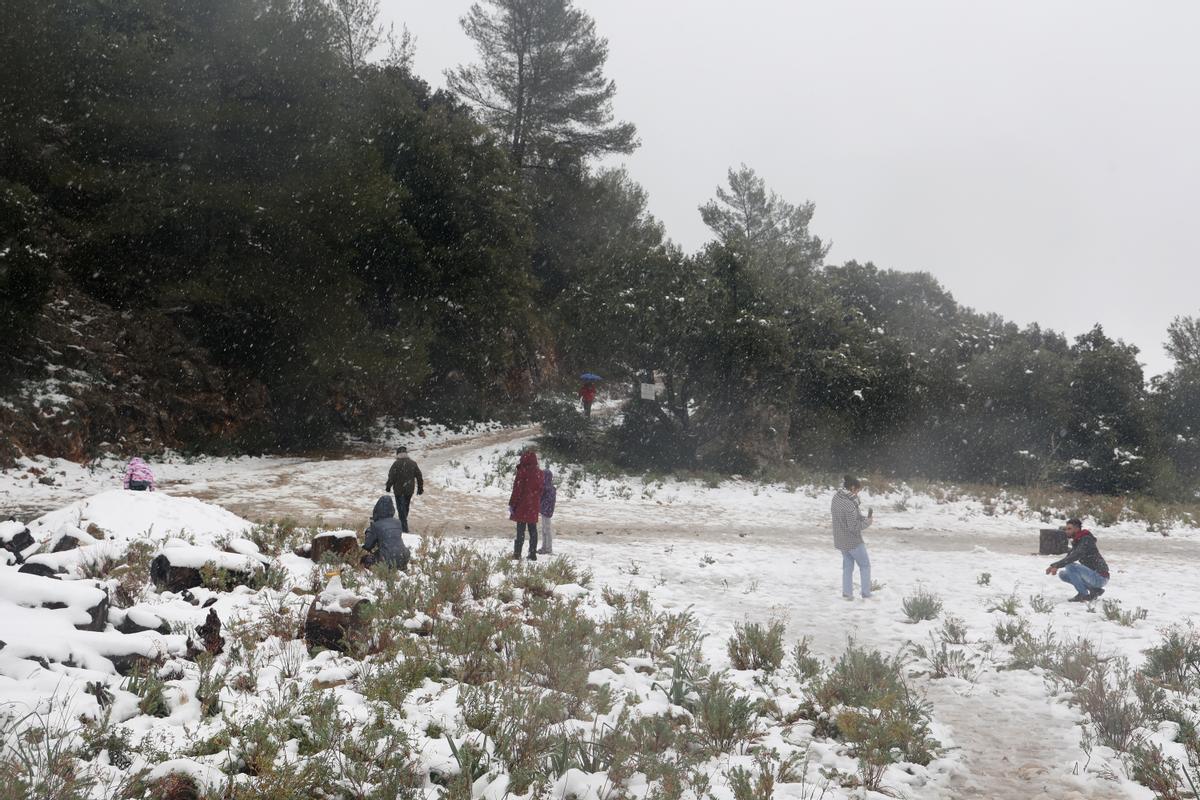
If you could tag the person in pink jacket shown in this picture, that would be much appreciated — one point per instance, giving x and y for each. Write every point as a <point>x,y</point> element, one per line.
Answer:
<point>138,477</point>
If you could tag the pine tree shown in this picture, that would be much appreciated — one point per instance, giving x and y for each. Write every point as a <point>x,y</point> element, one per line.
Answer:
<point>766,233</point>
<point>540,82</point>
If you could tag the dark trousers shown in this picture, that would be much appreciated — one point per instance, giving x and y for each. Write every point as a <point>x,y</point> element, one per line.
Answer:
<point>403,502</point>
<point>587,408</point>
<point>521,537</point>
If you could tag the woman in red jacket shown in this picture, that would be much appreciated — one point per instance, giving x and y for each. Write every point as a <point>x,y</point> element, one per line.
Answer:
<point>587,396</point>
<point>525,502</point>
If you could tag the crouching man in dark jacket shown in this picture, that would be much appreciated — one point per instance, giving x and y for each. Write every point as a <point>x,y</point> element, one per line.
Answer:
<point>384,541</point>
<point>1083,567</point>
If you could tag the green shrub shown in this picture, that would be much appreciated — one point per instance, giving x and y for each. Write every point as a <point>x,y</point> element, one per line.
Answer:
<point>1040,604</point>
<point>1009,604</point>
<point>860,677</point>
<point>1114,613</point>
<point>805,666</point>
<point>922,605</point>
<point>1009,631</point>
<point>724,718</point>
<point>947,662</point>
<point>954,630</point>
<point>754,646</point>
<point>1176,660</point>
<point>566,430</point>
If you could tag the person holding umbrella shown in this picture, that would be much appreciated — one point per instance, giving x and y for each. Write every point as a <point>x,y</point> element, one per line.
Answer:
<point>587,392</point>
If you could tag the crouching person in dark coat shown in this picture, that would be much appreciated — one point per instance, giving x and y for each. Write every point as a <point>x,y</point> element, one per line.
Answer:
<point>384,537</point>
<point>1083,567</point>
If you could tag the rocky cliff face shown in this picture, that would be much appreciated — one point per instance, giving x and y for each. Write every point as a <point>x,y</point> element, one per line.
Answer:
<point>98,380</point>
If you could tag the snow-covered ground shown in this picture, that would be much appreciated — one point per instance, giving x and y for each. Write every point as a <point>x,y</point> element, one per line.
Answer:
<point>732,553</point>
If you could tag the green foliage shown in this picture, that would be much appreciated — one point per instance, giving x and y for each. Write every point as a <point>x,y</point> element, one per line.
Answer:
<point>922,605</point>
<point>724,717</point>
<point>755,646</point>
<point>805,666</point>
<point>1009,631</point>
<point>1175,661</point>
<point>540,81</point>
<point>1114,613</point>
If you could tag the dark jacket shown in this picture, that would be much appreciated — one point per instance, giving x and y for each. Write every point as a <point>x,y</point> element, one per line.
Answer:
<point>526,498</point>
<point>385,533</point>
<point>1084,550</point>
<point>403,475</point>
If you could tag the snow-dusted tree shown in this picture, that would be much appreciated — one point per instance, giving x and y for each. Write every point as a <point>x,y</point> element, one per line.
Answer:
<point>765,232</point>
<point>1183,341</point>
<point>540,81</point>
<point>356,30</point>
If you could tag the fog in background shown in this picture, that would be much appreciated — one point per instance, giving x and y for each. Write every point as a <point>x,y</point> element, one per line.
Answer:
<point>1041,159</point>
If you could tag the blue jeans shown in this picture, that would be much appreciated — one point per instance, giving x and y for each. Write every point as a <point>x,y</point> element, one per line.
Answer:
<point>849,558</point>
<point>1084,579</point>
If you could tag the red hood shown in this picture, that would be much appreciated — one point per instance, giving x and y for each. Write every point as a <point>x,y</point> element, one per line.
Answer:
<point>529,459</point>
<point>1082,532</point>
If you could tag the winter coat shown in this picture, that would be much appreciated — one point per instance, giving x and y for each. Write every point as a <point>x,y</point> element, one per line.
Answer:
<point>549,493</point>
<point>848,521</point>
<point>525,502</point>
<point>587,393</point>
<point>404,475</point>
<point>138,470</point>
<point>1086,552</point>
<point>384,532</point>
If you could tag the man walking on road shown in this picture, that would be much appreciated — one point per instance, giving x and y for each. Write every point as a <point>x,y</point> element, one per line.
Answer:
<point>405,476</point>
<point>848,525</point>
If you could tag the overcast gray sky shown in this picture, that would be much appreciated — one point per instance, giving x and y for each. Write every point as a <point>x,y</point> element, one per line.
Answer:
<point>1040,158</point>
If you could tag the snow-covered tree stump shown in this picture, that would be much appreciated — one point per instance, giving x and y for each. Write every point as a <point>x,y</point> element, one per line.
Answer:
<point>342,543</point>
<point>177,568</point>
<point>15,537</point>
<point>1052,542</point>
<point>210,634</point>
<point>336,620</point>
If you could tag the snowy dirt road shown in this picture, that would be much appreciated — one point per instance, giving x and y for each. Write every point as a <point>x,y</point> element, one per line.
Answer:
<point>741,553</point>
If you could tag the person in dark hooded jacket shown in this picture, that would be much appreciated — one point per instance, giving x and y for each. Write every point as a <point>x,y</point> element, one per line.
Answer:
<point>1083,567</point>
<point>384,536</point>
<point>405,478</point>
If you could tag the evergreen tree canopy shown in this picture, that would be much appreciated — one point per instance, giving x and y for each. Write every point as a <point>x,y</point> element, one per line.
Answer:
<point>540,81</point>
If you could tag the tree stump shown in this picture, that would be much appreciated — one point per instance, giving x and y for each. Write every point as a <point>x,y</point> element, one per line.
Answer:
<point>342,543</point>
<point>169,578</point>
<point>1053,542</point>
<point>14,540</point>
<point>336,619</point>
<point>99,615</point>
<point>41,570</point>
<point>210,634</point>
<point>128,623</point>
<point>65,542</point>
